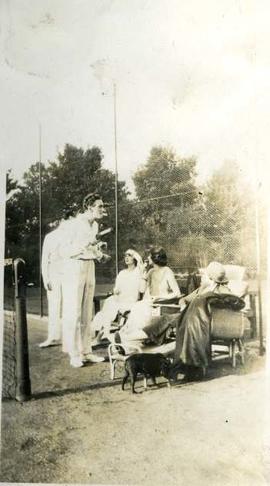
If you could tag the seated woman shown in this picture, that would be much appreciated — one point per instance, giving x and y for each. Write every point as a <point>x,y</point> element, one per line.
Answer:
<point>193,329</point>
<point>128,286</point>
<point>160,284</point>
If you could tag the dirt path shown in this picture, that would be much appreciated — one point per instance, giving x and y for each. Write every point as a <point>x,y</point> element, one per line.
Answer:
<point>78,429</point>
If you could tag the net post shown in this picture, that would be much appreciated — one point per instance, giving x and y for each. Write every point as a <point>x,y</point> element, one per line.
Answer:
<point>23,384</point>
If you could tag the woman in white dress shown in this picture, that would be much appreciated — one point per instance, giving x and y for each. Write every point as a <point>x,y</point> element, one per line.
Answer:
<point>161,284</point>
<point>129,284</point>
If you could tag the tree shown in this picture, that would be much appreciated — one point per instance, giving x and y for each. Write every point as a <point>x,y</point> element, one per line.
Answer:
<point>163,185</point>
<point>13,214</point>
<point>65,182</point>
<point>230,221</point>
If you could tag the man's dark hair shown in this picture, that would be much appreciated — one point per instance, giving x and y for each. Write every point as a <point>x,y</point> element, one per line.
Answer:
<point>90,199</point>
<point>158,256</point>
<point>67,213</point>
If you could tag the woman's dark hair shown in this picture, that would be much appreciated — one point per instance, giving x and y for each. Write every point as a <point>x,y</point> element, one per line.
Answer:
<point>159,256</point>
<point>67,213</point>
<point>90,199</point>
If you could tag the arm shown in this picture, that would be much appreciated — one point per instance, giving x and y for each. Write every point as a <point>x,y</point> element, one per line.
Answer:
<point>117,286</point>
<point>49,253</point>
<point>172,290</point>
<point>142,285</point>
<point>147,284</point>
<point>45,262</point>
<point>173,285</point>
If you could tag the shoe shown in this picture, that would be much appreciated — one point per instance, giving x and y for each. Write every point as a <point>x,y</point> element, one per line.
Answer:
<point>49,342</point>
<point>95,342</point>
<point>92,358</point>
<point>76,362</point>
<point>194,374</point>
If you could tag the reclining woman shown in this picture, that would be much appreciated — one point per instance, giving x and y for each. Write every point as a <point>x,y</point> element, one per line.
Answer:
<point>193,327</point>
<point>161,285</point>
<point>129,284</point>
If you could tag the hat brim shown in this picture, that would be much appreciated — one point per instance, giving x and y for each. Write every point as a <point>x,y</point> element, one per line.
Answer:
<point>224,281</point>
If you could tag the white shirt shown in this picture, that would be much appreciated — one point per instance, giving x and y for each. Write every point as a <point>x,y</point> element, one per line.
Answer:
<point>79,239</point>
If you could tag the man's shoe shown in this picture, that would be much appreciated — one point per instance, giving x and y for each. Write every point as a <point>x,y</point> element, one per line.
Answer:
<point>76,362</point>
<point>92,358</point>
<point>50,342</point>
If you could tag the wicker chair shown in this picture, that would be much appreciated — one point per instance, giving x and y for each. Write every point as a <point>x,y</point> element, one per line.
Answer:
<point>227,330</point>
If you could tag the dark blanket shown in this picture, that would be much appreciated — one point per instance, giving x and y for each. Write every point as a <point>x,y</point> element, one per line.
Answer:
<point>157,329</point>
<point>193,329</point>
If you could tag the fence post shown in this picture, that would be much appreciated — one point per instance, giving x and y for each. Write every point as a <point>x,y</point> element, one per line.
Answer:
<point>23,384</point>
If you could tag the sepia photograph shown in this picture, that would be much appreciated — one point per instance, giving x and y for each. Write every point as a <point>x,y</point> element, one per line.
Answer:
<point>134,242</point>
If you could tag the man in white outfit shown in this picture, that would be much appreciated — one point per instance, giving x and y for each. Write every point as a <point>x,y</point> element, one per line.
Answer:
<point>79,250</point>
<point>51,268</point>
<point>51,273</point>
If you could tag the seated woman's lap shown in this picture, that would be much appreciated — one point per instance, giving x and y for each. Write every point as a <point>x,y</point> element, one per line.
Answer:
<point>140,315</point>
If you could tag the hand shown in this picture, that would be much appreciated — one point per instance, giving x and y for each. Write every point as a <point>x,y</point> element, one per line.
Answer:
<point>102,245</point>
<point>182,303</point>
<point>49,286</point>
<point>105,258</point>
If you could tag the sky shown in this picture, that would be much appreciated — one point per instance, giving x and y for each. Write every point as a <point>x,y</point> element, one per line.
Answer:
<point>189,74</point>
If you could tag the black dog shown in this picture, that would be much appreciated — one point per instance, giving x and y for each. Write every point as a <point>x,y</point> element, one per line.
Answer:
<point>148,365</point>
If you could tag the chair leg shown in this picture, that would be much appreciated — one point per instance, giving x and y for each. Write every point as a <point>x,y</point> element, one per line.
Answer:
<point>210,351</point>
<point>241,351</point>
<point>233,353</point>
<point>230,350</point>
<point>113,364</point>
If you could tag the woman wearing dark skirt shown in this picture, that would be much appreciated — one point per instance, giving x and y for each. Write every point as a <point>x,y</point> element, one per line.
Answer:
<point>193,329</point>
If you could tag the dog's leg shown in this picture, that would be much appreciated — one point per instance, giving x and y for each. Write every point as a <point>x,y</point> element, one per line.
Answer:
<point>125,379</point>
<point>145,382</point>
<point>133,380</point>
<point>169,385</point>
<point>153,378</point>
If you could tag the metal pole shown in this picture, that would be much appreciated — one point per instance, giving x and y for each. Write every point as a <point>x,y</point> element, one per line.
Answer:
<point>23,383</point>
<point>258,258</point>
<point>40,226</point>
<point>116,181</point>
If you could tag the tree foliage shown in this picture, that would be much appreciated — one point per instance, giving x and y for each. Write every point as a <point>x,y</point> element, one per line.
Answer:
<point>64,184</point>
<point>195,225</point>
<point>163,183</point>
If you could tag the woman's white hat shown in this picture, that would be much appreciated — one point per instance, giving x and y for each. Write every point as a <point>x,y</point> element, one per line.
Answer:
<point>217,273</point>
<point>136,257</point>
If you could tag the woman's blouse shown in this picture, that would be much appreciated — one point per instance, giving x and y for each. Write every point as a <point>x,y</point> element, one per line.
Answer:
<point>161,282</point>
<point>128,285</point>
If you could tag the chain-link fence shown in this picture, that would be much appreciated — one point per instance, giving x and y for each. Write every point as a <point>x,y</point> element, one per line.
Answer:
<point>193,227</point>
<point>192,235</point>
<point>15,361</point>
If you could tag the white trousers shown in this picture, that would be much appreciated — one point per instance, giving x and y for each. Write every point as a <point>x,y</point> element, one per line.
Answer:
<point>104,318</point>
<point>78,287</point>
<point>54,298</point>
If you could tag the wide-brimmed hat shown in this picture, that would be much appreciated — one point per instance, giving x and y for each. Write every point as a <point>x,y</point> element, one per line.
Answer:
<point>217,273</point>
